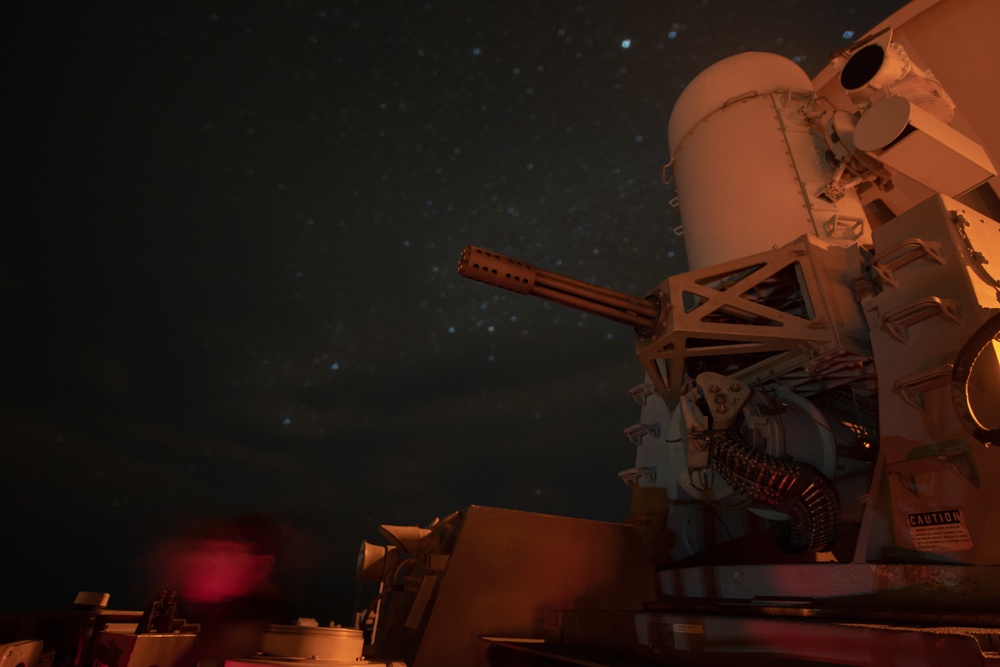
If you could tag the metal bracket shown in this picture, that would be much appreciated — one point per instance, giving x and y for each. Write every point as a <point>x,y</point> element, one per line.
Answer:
<point>912,387</point>
<point>897,320</point>
<point>641,392</point>
<point>890,260</point>
<point>636,432</point>
<point>725,398</point>
<point>632,476</point>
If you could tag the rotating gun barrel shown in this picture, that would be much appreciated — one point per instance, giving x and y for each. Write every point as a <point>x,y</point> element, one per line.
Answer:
<point>500,271</point>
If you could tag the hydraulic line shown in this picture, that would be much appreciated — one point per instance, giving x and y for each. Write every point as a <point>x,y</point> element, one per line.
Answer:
<point>791,487</point>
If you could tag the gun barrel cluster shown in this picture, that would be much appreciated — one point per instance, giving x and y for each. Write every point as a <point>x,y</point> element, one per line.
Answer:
<point>500,271</point>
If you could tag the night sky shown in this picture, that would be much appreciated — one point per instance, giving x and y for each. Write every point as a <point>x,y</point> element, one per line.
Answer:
<point>228,278</point>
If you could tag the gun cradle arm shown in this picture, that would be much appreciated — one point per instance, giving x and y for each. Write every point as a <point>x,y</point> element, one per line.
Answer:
<point>499,271</point>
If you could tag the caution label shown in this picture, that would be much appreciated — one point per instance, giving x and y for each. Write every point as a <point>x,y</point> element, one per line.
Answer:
<point>941,530</point>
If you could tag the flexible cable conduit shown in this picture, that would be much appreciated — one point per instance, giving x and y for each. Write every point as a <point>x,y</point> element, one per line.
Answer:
<point>793,488</point>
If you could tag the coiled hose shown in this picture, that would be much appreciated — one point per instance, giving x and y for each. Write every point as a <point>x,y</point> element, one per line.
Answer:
<point>793,488</point>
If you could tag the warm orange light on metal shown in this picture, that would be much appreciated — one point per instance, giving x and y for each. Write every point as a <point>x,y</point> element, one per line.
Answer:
<point>500,271</point>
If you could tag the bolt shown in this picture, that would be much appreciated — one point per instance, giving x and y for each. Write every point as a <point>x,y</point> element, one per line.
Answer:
<point>736,387</point>
<point>714,388</point>
<point>721,398</point>
<point>721,408</point>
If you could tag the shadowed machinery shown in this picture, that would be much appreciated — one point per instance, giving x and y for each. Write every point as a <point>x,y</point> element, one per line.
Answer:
<point>816,474</point>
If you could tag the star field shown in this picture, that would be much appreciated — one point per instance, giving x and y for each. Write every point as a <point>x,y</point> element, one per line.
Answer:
<point>229,273</point>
